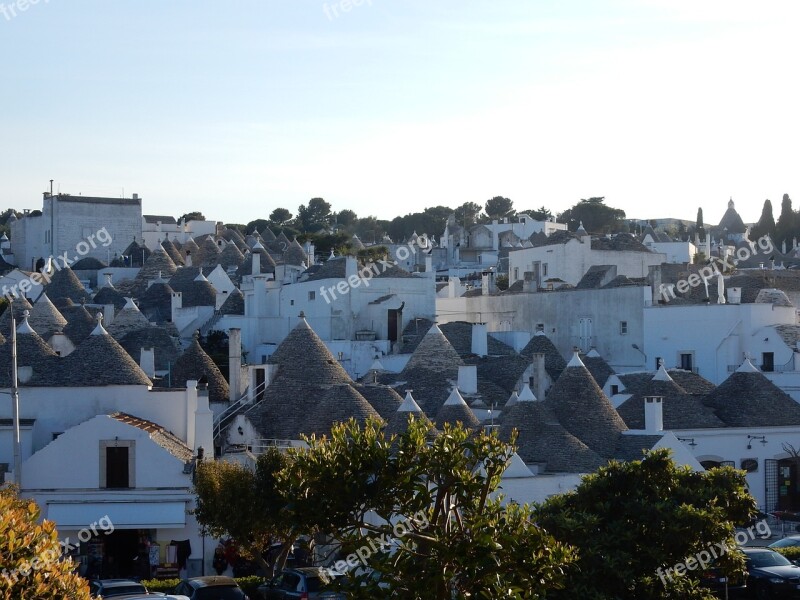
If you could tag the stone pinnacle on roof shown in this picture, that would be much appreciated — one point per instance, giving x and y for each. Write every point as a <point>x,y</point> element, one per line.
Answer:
<point>575,361</point>
<point>99,329</point>
<point>46,318</point>
<point>526,395</point>
<point>661,374</point>
<point>455,410</point>
<point>747,367</point>
<point>512,400</point>
<point>409,404</point>
<point>24,326</point>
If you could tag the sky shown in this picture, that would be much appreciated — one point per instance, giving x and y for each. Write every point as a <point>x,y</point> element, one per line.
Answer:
<point>385,107</point>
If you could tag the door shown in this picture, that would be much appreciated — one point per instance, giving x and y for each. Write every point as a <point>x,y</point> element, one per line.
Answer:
<point>393,318</point>
<point>767,362</point>
<point>260,378</point>
<point>585,333</point>
<point>788,492</point>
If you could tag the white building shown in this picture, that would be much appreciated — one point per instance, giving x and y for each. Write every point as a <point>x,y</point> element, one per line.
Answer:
<point>567,257</point>
<point>71,224</point>
<point>156,227</point>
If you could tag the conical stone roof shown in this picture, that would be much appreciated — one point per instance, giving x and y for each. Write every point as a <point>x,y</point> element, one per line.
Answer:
<point>45,318</point>
<point>295,255</point>
<point>554,363</point>
<point>455,410</point>
<point>172,251</point>
<point>79,322</point>
<point>156,301</point>
<point>339,404</point>
<point>584,410</point>
<point>195,364</point>
<point>158,264</point>
<point>100,360</point>
<point>127,320</point>
<point>109,295</point>
<point>231,257</point>
<point>208,254</point>
<point>165,348</point>
<point>234,303</point>
<point>267,235</point>
<point>303,356</point>
<point>32,351</point>
<point>749,399</point>
<point>190,248</point>
<point>434,353</point>
<point>65,284</point>
<point>19,304</point>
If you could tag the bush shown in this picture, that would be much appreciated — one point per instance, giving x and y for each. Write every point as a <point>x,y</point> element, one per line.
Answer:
<point>790,552</point>
<point>248,584</point>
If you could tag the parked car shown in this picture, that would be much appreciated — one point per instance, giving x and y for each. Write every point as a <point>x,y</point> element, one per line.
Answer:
<point>110,588</point>
<point>714,580</point>
<point>787,542</point>
<point>303,583</point>
<point>210,588</point>
<point>770,575</point>
<point>150,596</point>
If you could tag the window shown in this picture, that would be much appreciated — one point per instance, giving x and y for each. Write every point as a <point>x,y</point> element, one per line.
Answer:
<point>291,302</point>
<point>56,434</point>
<point>516,273</point>
<point>540,327</point>
<point>312,296</point>
<point>767,362</point>
<point>544,270</point>
<point>117,464</point>
<point>614,390</point>
<point>623,328</point>
<point>687,361</point>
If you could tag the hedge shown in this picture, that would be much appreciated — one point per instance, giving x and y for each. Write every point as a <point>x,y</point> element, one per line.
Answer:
<point>248,584</point>
<point>790,552</point>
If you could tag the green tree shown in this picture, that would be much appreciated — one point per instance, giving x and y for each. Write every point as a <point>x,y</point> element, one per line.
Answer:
<point>595,215</point>
<point>247,505</point>
<point>430,221</point>
<point>540,214</point>
<point>628,520</point>
<point>766,223</point>
<point>699,227</point>
<point>192,216</point>
<point>787,223</point>
<point>30,555</point>
<point>314,216</point>
<point>467,214</point>
<point>347,219</point>
<point>499,207</point>
<point>279,216</point>
<point>256,225</point>
<point>457,540</point>
<point>370,229</point>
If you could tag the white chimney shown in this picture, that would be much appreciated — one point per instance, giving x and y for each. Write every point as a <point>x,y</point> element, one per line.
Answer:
<point>480,341</point>
<point>256,263</point>
<point>188,260</point>
<point>734,295</point>
<point>177,304</point>
<point>539,375</point>
<point>468,379</point>
<point>653,414</point>
<point>147,361</point>
<point>234,361</point>
<point>485,284</point>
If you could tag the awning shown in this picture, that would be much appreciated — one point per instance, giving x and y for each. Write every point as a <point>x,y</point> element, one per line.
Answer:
<point>123,515</point>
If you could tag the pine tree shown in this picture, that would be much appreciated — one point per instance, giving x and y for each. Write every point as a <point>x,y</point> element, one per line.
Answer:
<point>786,226</point>
<point>765,225</point>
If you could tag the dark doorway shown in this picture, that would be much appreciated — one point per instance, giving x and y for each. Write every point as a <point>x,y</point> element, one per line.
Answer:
<point>260,379</point>
<point>394,318</point>
<point>117,467</point>
<point>767,362</point>
<point>788,488</point>
<point>121,553</point>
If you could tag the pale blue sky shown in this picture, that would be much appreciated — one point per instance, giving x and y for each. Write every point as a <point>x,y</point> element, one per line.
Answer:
<point>235,108</point>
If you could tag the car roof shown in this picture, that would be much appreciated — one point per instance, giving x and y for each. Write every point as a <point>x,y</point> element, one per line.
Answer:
<point>756,549</point>
<point>211,580</point>
<point>111,583</point>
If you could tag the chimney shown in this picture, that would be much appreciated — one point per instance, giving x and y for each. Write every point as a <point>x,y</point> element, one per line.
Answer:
<point>108,314</point>
<point>480,341</point>
<point>428,264</point>
<point>734,295</point>
<point>529,281</point>
<point>350,267</point>
<point>485,284</point>
<point>468,379</point>
<point>256,263</point>
<point>539,375</point>
<point>653,414</point>
<point>108,277</point>
<point>188,261</point>
<point>147,361</point>
<point>177,304</point>
<point>655,282</point>
<point>203,425</point>
<point>234,362</point>
<point>191,408</point>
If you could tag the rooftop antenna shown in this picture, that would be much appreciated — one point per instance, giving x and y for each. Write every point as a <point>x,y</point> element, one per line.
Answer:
<point>51,187</point>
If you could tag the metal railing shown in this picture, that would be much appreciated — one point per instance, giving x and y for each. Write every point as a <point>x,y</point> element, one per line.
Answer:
<point>227,415</point>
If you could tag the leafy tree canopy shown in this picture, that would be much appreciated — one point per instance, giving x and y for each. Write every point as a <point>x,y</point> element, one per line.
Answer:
<point>192,216</point>
<point>628,520</point>
<point>313,216</point>
<point>499,207</point>
<point>595,215</point>
<point>279,216</point>
<point>30,555</point>
<point>467,214</point>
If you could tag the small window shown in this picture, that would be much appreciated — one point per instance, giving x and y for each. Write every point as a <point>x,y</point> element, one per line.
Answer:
<point>540,327</point>
<point>623,328</point>
<point>312,296</point>
<point>516,273</point>
<point>291,302</point>
<point>687,361</point>
<point>544,270</point>
<point>614,390</point>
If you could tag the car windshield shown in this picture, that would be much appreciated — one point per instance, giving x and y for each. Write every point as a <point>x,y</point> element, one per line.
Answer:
<point>785,543</point>
<point>220,592</point>
<point>767,559</point>
<point>121,590</point>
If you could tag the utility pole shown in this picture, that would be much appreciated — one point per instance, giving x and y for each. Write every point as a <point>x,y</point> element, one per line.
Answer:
<point>15,404</point>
